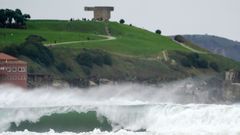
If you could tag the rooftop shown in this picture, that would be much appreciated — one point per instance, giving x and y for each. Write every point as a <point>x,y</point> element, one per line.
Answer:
<point>99,7</point>
<point>10,59</point>
<point>4,57</point>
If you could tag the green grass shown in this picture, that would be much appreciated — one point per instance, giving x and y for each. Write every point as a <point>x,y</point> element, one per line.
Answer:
<point>130,40</point>
<point>130,51</point>
<point>62,25</point>
<point>13,36</point>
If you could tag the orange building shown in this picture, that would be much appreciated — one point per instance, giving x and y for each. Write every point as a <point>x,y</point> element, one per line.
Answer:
<point>13,71</point>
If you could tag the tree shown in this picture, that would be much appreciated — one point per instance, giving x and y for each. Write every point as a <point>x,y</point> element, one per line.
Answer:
<point>32,48</point>
<point>3,18</point>
<point>122,21</point>
<point>26,16</point>
<point>158,32</point>
<point>10,15</point>
<point>7,16</point>
<point>18,17</point>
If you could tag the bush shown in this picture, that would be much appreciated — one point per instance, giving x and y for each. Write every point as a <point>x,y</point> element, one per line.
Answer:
<point>158,32</point>
<point>33,49</point>
<point>86,70</point>
<point>89,57</point>
<point>194,60</point>
<point>107,59</point>
<point>122,21</point>
<point>180,39</point>
<point>186,63</point>
<point>214,66</point>
<point>201,63</point>
<point>62,67</point>
<point>85,59</point>
<point>11,50</point>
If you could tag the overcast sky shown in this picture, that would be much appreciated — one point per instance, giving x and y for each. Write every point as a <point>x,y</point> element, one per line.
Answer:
<point>214,17</point>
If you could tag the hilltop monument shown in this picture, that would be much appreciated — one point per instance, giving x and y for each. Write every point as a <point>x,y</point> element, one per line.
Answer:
<point>101,13</point>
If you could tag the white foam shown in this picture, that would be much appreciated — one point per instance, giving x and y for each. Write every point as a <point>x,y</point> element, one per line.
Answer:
<point>120,132</point>
<point>128,106</point>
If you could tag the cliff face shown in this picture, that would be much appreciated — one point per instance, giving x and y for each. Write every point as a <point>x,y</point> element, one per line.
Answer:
<point>232,86</point>
<point>217,45</point>
<point>231,91</point>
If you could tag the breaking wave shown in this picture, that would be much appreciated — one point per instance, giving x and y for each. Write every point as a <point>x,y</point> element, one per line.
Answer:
<point>114,109</point>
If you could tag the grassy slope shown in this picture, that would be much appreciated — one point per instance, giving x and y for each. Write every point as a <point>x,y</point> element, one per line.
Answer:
<point>132,41</point>
<point>43,28</point>
<point>130,50</point>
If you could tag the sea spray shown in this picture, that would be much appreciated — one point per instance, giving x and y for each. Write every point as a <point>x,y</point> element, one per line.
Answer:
<point>120,94</point>
<point>127,108</point>
<point>160,119</point>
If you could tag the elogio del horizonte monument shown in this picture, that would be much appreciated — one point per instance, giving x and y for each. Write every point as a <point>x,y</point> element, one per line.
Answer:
<point>101,13</point>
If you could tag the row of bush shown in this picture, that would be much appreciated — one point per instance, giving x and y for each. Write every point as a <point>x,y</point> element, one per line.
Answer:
<point>89,57</point>
<point>194,60</point>
<point>32,48</point>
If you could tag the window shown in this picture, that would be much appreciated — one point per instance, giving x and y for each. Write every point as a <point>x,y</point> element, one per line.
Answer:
<point>8,69</point>
<point>21,69</point>
<point>14,69</point>
<point>1,68</point>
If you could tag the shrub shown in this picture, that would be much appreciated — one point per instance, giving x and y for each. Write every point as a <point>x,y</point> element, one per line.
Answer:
<point>194,60</point>
<point>33,49</point>
<point>88,57</point>
<point>201,63</point>
<point>85,59</point>
<point>62,67</point>
<point>214,66</point>
<point>107,59</point>
<point>186,63</point>
<point>180,39</point>
<point>86,70</point>
<point>122,21</point>
<point>11,50</point>
<point>158,32</point>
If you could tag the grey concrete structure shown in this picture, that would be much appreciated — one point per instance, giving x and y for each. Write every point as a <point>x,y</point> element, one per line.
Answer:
<point>101,13</point>
<point>232,76</point>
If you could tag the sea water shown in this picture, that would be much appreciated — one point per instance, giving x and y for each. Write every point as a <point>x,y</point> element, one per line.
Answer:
<point>123,109</point>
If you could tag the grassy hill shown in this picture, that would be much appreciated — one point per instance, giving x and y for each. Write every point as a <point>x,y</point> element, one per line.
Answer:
<point>136,54</point>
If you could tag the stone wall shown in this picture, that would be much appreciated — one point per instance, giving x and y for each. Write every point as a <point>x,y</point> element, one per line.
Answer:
<point>232,76</point>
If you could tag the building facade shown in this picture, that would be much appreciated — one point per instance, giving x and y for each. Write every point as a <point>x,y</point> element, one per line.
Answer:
<point>232,76</point>
<point>101,13</point>
<point>13,71</point>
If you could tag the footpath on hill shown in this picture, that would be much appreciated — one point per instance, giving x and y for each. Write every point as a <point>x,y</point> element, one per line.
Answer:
<point>190,48</point>
<point>107,38</point>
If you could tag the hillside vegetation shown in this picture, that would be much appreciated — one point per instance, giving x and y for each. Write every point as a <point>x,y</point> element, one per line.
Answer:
<point>217,45</point>
<point>133,55</point>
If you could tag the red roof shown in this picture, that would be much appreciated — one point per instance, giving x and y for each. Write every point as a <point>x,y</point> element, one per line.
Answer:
<point>6,57</point>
